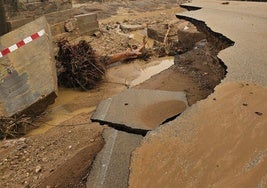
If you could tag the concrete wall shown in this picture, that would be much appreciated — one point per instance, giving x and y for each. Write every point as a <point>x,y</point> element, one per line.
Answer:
<point>16,13</point>
<point>3,26</point>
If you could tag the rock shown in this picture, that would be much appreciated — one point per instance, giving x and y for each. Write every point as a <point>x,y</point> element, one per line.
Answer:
<point>97,34</point>
<point>127,27</point>
<point>70,25</point>
<point>38,169</point>
<point>22,146</point>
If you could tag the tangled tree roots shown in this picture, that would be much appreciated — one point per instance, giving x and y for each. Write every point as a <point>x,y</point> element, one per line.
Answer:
<point>78,66</point>
<point>10,127</point>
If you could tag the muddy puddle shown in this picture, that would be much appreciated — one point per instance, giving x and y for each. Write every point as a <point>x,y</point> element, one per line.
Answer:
<point>148,72</point>
<point>60,111</point>
<point>137,72</point>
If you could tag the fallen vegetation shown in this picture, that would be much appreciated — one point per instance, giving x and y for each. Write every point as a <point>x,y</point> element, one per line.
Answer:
<point>77,65</point>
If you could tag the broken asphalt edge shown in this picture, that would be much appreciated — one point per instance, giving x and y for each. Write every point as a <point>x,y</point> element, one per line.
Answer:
<point>122,127</point>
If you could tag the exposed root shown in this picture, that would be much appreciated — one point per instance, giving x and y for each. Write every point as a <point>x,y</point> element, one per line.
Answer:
<point>10,126</point>
<point>78,66</point>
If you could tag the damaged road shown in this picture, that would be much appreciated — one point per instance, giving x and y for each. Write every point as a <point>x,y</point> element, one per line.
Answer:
<point>220,141</point>
<point>66,130</point>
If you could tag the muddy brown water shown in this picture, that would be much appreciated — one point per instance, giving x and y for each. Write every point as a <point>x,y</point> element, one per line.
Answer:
<point>60,111</point>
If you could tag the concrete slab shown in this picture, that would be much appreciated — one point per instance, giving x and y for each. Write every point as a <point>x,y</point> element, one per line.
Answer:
<point>111,166</point>
<point>28,80</point>
<point>140,109</point>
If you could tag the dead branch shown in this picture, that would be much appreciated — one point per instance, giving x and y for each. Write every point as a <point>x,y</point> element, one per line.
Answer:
<point>166,35</point>
<point>10,126</point>
<point>128,54</point>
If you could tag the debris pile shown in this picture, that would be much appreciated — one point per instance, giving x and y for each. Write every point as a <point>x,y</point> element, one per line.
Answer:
<point>78,66</point>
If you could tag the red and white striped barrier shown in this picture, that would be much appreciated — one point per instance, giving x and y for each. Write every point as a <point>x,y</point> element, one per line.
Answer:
<point>21,43</point>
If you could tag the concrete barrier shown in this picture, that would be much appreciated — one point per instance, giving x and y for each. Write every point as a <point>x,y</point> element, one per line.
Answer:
<point>28,80</point>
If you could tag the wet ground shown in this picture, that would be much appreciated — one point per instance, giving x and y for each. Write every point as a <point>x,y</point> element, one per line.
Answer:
<point>66,140</point>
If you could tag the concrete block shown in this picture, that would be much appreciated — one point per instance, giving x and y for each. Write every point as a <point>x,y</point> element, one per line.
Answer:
<point>87,23</point>
<point>14,24</point>
<point>28,80</point>
<point>59,16</point>
<point>57,29</point>
<point>158,32</point>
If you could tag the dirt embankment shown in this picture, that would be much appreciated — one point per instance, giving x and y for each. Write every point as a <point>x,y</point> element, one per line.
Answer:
<point>60,157</point>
